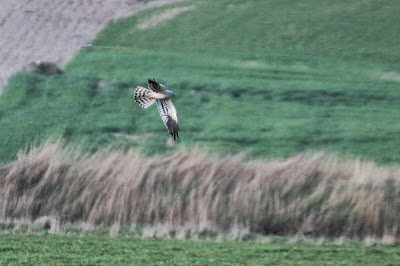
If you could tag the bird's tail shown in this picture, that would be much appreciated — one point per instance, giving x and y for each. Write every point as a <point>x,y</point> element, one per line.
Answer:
<point>142,97</point>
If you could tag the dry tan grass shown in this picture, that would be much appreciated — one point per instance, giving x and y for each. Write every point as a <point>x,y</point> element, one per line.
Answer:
<point>309,194</point>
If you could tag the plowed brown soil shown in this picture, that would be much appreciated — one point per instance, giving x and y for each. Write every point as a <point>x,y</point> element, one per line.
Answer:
<point>53,31</point>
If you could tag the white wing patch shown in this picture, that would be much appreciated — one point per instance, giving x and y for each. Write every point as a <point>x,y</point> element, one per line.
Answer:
<point>169,116</point>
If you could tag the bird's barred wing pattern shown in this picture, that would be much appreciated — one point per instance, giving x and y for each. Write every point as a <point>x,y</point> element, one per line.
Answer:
<point>169,117</point>
<point>142,97</point>
<point>155,86</point>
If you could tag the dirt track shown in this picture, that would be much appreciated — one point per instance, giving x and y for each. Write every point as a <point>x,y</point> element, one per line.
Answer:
<point>51,30</point>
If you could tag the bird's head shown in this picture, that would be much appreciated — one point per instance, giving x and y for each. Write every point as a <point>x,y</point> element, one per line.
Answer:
<point>170,94</point>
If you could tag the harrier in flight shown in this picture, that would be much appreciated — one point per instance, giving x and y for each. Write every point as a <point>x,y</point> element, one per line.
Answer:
<point>159,93</point>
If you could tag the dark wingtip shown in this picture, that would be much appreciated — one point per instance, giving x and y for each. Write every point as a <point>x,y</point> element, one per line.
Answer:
<point>153,85</point>
<point>173,128</point>
<point>175,135</point>
<point>152,81</point>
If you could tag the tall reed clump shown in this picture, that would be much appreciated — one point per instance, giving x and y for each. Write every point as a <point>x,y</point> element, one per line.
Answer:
<point>315,194</point>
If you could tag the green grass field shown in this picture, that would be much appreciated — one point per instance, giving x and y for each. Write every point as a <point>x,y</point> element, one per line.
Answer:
<point>89,250</point>
<point>268,78</point>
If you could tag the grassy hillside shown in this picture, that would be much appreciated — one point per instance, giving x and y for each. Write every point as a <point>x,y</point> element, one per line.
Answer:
<point>111,251</point>
<point>271,78</point>
<point>357,29</point>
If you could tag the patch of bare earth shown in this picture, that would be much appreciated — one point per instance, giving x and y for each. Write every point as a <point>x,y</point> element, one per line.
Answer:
<point>160,18</point>
<point>53,31</point>
<point>391,76</point>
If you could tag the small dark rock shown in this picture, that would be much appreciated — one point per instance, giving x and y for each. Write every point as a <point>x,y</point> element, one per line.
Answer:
<point>46,68</point>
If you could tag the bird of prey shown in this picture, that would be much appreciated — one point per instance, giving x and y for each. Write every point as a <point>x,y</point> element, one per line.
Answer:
<point>159,93</point>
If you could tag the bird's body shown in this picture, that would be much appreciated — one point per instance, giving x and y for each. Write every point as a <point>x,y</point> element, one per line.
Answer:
<point>165,95</point>
<point>159,93</point>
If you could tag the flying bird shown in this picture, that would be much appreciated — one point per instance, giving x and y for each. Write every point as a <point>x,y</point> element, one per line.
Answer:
<point>159,93</point>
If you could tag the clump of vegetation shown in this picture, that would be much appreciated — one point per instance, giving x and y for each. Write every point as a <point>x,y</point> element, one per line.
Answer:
<point>315,195</point>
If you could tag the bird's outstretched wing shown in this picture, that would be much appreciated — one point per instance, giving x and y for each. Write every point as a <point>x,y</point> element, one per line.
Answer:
<point>169,116</point>
<point>155,86</point>
<point>142,97</point>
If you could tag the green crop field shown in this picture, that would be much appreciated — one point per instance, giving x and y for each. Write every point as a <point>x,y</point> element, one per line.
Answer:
<point>264,77</point>
<point>89,250</point>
